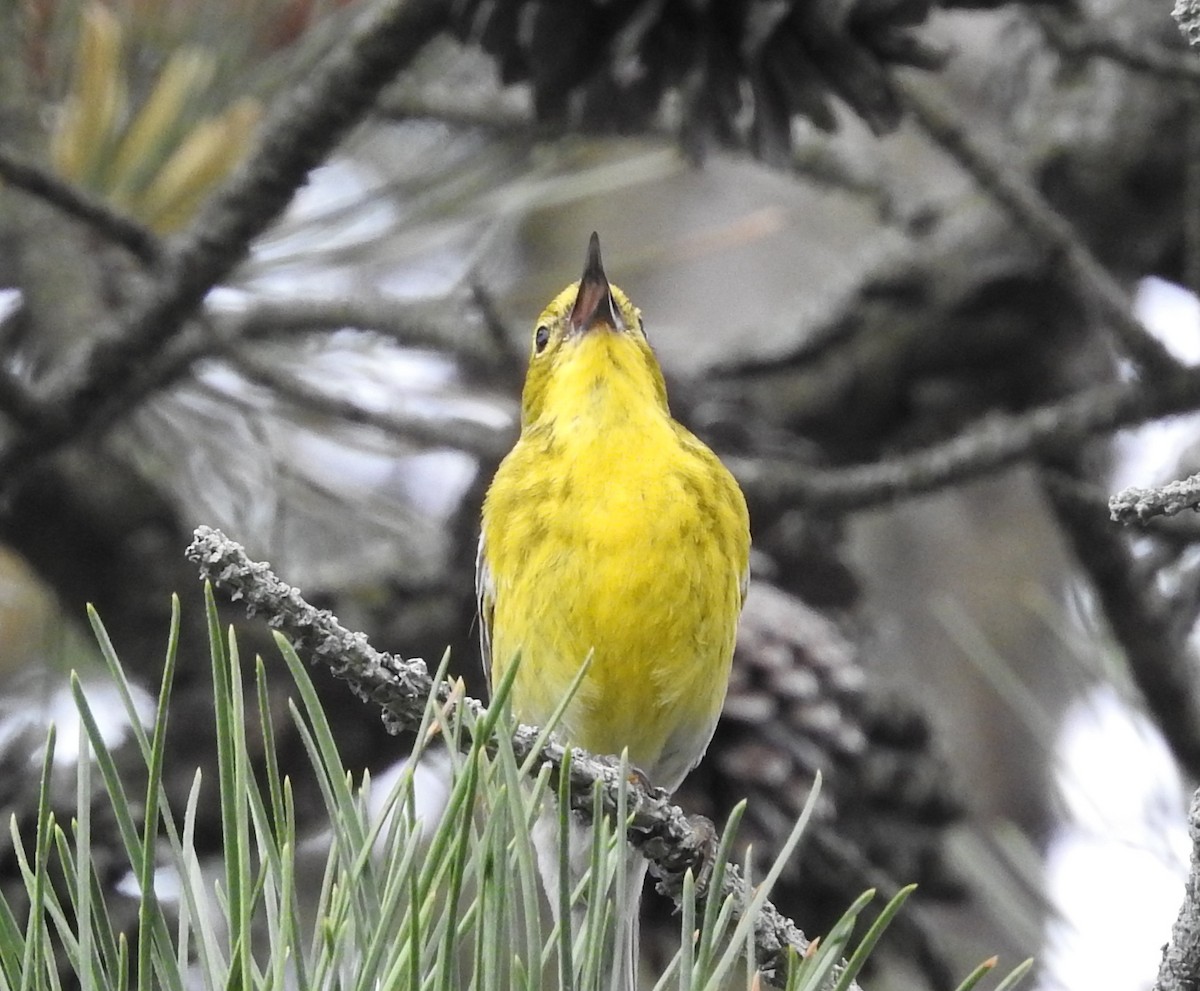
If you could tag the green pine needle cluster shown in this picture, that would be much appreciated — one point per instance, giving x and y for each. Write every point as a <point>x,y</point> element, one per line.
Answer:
<point>402,903</point>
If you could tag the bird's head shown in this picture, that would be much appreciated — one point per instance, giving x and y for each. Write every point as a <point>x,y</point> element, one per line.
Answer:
<point>589,346</point>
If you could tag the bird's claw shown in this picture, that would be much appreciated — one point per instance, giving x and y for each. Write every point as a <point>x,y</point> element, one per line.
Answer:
<point>705,851</point>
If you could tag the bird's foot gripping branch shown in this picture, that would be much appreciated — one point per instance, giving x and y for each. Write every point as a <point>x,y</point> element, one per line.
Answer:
<point>678,847</point>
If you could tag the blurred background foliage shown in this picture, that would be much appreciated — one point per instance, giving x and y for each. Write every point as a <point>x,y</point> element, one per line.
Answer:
<point>825,286</point>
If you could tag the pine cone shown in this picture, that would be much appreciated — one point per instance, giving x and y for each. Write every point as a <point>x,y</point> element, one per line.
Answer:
<point>799,703</point>
<point>736,72</point>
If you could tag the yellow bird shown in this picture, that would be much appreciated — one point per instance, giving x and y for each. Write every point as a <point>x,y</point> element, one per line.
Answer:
<point>611,530</point>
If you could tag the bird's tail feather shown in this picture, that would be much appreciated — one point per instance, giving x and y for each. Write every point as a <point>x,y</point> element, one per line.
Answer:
<point>622,945</point>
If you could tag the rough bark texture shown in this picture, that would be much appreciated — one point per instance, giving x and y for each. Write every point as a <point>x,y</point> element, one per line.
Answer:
<point>1180,967</point>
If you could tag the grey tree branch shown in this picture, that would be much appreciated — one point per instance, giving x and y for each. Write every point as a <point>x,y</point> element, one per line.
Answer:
<point>1094,285</point>
<point>1180,966</point>
<point>302,129</point>
<point>663,832</point>
<point>1134,505</point>
<point>994,443</point>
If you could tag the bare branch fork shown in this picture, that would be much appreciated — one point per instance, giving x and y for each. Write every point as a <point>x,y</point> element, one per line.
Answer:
<point>663,832</point>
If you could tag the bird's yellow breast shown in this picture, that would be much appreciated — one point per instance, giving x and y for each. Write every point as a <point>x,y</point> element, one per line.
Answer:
<point>610,529</point>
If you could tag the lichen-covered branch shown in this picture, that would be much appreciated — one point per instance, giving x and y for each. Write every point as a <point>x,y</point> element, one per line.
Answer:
<point>1180,966</point>
<point>1134,505</point>
<point>665,834</point>
<point>1187,16</point>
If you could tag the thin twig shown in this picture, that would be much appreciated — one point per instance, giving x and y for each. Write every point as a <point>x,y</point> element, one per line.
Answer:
<point>664,833</point>
<point>305,126</point>
<point>993,443</point>
<point>139,241</point>
<point>1093,283</point>
<point>511,359</point>
<point>1134,505</point>
<point>412,324</point>
<point>497,111</point>
<point>458,432</point>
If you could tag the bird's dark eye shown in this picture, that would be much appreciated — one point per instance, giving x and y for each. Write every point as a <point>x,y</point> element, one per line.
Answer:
<point>540,339</point>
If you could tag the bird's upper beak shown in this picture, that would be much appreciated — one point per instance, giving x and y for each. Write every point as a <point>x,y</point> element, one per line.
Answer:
<point>594,304</point>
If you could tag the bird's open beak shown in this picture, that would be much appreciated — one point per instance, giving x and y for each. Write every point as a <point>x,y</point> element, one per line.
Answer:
<point>594,305</point>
